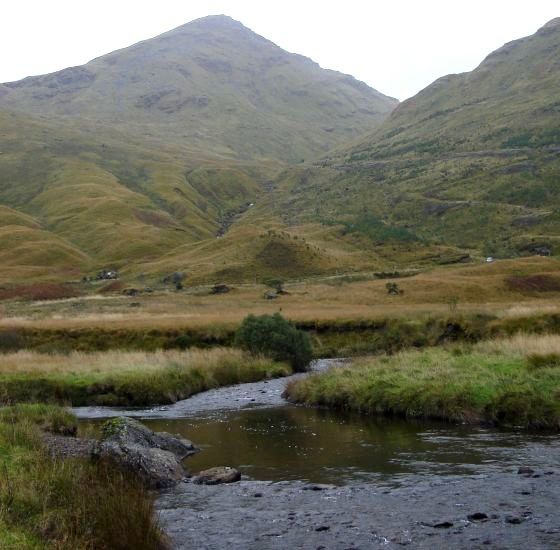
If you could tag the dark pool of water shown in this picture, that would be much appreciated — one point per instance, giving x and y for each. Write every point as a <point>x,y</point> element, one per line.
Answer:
<point>297,443</point>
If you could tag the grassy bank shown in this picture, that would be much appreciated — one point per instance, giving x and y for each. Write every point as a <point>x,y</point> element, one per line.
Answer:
<point>66,504</point>
<point>126,378</point>
<point>329,337</point>
<point>514,381</point>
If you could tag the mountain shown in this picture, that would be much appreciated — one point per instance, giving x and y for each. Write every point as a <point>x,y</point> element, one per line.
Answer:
<point>211,84</point>
<point>159,146</point>
<point>129,162</point>
<point>471,162</point>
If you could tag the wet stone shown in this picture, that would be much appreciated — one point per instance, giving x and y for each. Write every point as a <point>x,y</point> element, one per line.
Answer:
<point>477,516</point>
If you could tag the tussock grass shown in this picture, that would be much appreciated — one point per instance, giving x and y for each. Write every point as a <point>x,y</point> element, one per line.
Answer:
<point>126,378</point>
<point>521,345</point>
<point>67,504</point>
<point>489,382</point>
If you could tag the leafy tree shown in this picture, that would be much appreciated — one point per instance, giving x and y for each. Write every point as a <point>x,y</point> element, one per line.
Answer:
<point>274,336</point>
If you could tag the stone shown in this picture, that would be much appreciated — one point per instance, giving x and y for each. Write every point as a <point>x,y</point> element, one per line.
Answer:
<point>477,516</point>
<point>156,468</point>
<point>514,520</point>
<point>220,288</point>
<point>127,431</point>
<point>217,476</point>
<point>525,470</point>
<point>443,525</point>
<point>317,487</point>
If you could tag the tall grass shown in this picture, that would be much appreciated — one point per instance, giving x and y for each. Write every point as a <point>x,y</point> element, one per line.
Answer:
<point>126,378</point>
<point>68,504</point>
<point>494,381</point>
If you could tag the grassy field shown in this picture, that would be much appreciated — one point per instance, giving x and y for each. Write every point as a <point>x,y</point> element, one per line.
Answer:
<point>513,381</point>
<point>65,504</point>
<point>345,314</point>
<point>502,288</point>
<point>121,378</point>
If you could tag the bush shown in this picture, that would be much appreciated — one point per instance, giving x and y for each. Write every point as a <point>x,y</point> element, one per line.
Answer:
<point>274,336</point>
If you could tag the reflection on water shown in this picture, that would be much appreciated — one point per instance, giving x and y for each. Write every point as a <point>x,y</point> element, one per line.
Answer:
<point>319,446</point>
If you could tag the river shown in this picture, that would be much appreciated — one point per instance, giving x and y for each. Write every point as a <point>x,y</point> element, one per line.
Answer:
<point>331,470</point>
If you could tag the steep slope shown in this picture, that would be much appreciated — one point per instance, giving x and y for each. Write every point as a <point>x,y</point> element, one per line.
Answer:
<point>472,161</point>
<point>110,199</point>
<point>510,100</point>
<point>210,84</point>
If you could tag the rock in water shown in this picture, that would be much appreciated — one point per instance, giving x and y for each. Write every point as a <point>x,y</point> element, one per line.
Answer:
<point>155,458</point>
<point>156,468</point>
<point>127,431</point>
<point>216,476</point>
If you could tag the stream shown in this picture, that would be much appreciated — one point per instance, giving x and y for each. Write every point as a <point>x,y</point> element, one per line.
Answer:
<point>310,473</point>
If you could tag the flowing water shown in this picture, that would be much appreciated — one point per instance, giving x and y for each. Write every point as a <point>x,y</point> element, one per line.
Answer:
<point>252,428</point>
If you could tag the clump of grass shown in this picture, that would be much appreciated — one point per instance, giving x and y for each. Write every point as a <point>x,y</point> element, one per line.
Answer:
<point>538,361</point>
<point>66,504</point>
<point>488,382</point>
<point>48,418</point>
<point>127,378</point>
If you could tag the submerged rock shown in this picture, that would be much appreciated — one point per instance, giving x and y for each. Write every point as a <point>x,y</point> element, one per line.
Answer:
<point>218,475</point>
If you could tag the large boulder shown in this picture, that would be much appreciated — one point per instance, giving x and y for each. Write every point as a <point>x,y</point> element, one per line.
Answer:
<point>127,431</point>
<point>154,457</point>
<point>156,468</point>
<point>217,476</point>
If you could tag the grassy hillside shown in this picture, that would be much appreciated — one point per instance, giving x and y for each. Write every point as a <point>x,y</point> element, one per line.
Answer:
<point>466,169</point>
<point>72,200</point>
<point>141,158</point>
<point>471,162</point>
<point>210,84</point>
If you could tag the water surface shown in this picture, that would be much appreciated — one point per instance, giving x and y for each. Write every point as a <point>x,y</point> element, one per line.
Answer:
<point>319,446</point>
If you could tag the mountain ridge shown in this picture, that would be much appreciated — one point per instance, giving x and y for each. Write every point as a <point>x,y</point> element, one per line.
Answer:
<point>470,162</point>
<point>213,84</point>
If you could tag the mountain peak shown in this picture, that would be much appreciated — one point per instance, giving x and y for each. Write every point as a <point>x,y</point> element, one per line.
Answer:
<point>211,84</point>
<point>552,24</point>
<point>212,22</point>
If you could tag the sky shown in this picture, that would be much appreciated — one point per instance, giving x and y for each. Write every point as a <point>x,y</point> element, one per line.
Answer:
<point>397,47</point>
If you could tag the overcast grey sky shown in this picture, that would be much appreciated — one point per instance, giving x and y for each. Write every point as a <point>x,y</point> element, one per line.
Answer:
<point>396,47</point>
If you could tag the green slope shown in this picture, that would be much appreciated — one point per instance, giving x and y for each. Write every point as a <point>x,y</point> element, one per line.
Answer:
<point>112,200</point>
<point>471,162</point>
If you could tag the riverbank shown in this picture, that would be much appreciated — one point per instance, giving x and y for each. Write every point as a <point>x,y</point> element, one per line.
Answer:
<point>127,378</point>
<point>71,503</point>
<point>498,511</point>
<point>513,381</point>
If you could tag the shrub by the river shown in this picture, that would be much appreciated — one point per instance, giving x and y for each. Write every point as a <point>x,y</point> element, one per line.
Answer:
<point>274,336</point>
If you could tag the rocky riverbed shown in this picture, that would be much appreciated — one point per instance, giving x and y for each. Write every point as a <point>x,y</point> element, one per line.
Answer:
<point>500,511</point>
<point>489,505</point>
